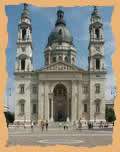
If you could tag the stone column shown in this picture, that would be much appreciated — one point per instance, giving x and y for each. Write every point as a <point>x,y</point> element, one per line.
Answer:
<point>40,101</point>
<point>52,109</point>
<point>80,101</point>
<point>46,101</point>
<point>77,106</point>
<point>49,58</point>
<point>73,102</point>
<point>20,34</point>
<point>28,102</point>
<point>20,65</point>
<point>68,117</point>
<point>49,109</point>
<point>51,97</point>
<point>92,100</point>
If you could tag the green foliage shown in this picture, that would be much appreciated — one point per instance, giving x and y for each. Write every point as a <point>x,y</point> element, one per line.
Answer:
<point>9,117</point>
<point>109,114</point>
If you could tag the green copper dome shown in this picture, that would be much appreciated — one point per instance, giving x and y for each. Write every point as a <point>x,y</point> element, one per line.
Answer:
<point>60,33</point>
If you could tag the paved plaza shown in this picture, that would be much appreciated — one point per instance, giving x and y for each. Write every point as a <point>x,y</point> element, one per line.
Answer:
<point>59,136</point>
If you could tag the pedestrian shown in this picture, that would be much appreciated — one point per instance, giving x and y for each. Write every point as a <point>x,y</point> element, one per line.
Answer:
<point>42,125</point>
<point>89,125</point>
<point>46,124</point>
<point>113,123</point>
<point>64,126</point>
<point>32,125</point>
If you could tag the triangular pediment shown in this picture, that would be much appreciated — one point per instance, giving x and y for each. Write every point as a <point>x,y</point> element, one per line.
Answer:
<point>98,55</point>
<point>61,66</point>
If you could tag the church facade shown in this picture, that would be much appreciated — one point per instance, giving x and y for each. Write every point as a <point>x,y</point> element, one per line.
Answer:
<point>60,91</point>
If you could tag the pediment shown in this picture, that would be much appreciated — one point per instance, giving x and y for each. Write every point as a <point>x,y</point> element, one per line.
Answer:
<point>98,55</point>
<point>61,66</point>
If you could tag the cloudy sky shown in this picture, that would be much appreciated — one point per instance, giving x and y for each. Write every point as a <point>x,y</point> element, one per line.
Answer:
<point>43,21</point>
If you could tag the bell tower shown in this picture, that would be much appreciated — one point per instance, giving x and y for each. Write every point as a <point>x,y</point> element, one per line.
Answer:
<point>24,42</point>
<point>96,43</point>
<point>96,68</point>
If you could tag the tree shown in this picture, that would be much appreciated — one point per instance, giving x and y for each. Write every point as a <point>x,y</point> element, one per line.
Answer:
<point>109,114</point>
<point>9,117</point>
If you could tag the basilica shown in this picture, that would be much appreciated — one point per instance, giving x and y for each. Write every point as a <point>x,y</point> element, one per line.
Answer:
<point>60,90</point>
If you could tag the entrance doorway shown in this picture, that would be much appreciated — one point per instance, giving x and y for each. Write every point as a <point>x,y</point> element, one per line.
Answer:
<point>60,103</point>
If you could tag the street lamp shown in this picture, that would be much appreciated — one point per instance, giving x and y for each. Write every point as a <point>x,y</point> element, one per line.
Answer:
<point>9,94</point>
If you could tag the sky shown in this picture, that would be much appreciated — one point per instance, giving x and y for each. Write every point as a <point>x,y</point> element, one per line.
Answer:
<point>43,22</point>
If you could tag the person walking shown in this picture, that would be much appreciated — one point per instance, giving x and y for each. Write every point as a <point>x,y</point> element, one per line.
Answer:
<point>46,124</point>
<point>64,126</point>
<point>42,125</point>
<point>32,125</point>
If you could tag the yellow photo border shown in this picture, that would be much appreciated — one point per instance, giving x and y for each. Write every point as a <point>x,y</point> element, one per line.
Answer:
<point>115,24</point>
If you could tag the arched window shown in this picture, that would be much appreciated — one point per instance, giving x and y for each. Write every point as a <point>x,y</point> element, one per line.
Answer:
<point>66,59</point>
<point>97,88</point>
<point>22,106</point>
<point>22,88</point>
<point>73,60</point>
<point>54,59</point>
<point>97,33</point>
<point>97,64</point>
<point>97,107</point>
<point>60,58</point>
<point>85,107</point>
<point>34,89</point>
<point>22,110</point>
<point>23,64</point>
<point>34,109</point>
<point>60,32</point>
<point>85,89</point>
<point>23,34</point>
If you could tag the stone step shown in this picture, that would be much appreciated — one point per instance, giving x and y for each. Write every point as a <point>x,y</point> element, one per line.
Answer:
<point>59,124</point>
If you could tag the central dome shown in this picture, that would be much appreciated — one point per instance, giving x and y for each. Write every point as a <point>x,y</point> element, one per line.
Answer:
<point>60,33</point>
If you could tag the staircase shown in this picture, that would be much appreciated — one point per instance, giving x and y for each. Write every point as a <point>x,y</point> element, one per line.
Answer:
<point>59,124</point>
